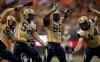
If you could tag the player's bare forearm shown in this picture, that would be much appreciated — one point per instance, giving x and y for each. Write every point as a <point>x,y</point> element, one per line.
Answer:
<point>79,45</point>
<point>36,36</point>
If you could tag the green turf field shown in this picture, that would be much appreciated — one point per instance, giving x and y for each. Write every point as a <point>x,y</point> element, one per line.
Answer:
<point>77,59</point>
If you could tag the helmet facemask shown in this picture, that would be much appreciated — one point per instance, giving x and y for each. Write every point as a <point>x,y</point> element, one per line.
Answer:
<point>28,14</point>
<point>11,21</point>
<point>11,24</point>
<point>85,26</point>
<point>56,17</point>
<point>30,17</point>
